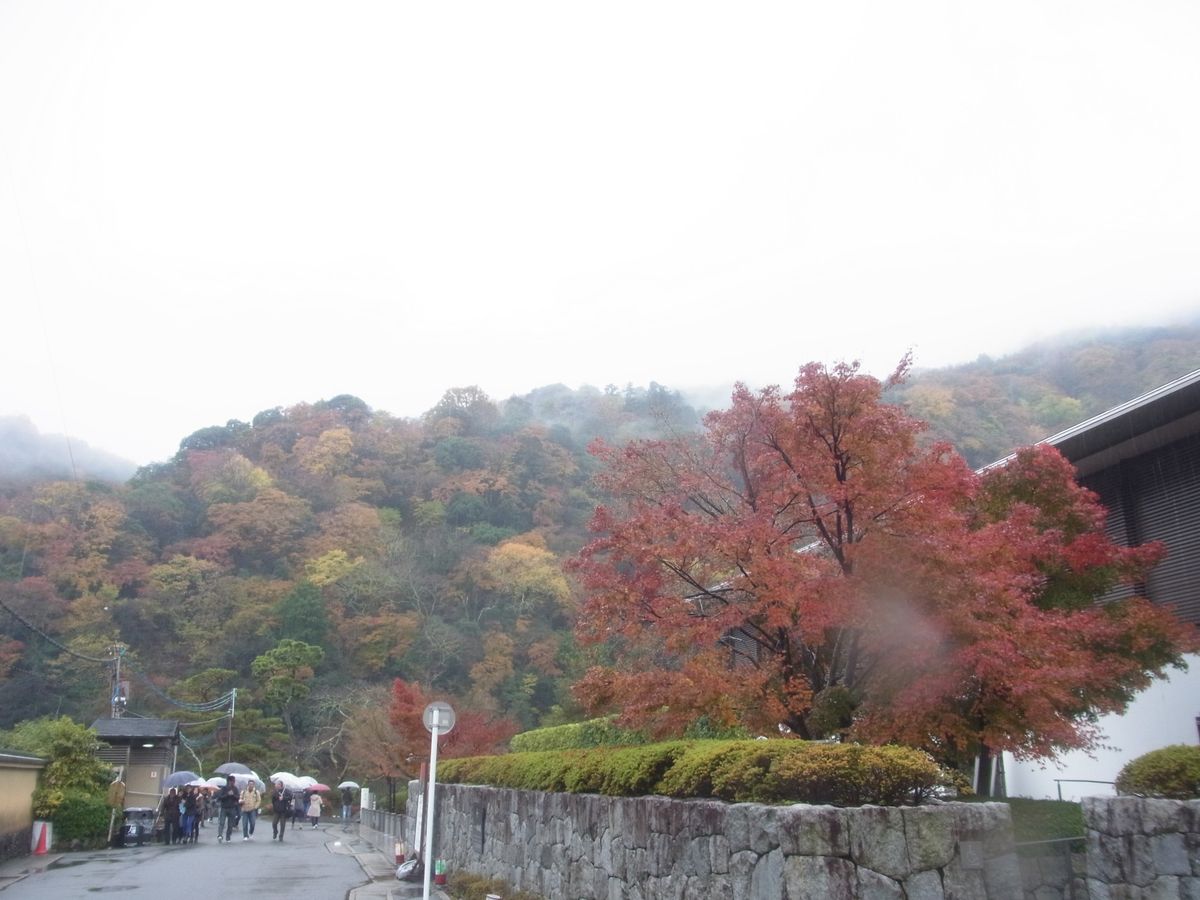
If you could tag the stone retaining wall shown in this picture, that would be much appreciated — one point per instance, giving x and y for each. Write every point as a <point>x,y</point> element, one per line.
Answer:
<point>588,847</point>
<point>585,846</point>
<point>1142,848</point>
<point>1053,870</point>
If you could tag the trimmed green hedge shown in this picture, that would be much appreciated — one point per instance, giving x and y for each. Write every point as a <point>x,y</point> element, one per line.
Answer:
<point>578,735</point>
<point>762,771</point>
<point>81,816</point>
<point>1172,772</point>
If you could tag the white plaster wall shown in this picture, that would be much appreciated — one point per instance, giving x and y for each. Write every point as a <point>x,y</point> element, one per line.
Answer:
<point>1163,714</point>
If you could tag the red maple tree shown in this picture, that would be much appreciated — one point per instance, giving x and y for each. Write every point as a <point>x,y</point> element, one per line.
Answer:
<point>475,733</point>
<point>812,563</point>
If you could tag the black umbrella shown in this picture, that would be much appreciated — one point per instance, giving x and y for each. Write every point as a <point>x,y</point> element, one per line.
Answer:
<point>179,779</point>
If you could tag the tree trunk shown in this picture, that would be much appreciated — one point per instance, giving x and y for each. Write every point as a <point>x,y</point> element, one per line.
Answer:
<point>983,772</point>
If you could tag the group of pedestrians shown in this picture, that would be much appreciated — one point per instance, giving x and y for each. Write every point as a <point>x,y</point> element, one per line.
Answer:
<point>184,811</point>
<point>286,805</point>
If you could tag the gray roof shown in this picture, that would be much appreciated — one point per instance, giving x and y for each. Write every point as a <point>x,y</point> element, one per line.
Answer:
<point>109,729</point>
<point>15,757</point>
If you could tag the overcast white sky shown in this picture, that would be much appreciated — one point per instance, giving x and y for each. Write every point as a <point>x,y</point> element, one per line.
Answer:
<point>210,209</point>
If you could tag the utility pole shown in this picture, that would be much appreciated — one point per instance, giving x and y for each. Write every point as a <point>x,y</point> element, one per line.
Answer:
<point>117,694</point>
<point>232,710</point>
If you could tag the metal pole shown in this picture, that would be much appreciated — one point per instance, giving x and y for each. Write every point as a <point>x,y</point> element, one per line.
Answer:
<point>429,807</point>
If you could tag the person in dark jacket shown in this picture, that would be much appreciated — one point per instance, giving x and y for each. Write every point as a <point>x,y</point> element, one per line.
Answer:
<point>191,811</point>
<point>281,808</point>
<point>299,808</point>
<point>229,798</point>
<point>169,810</point>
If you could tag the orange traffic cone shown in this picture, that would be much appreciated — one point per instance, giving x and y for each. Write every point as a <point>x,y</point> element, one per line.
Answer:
<point>40,848</point>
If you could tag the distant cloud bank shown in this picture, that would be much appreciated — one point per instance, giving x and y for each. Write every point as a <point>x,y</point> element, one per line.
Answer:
<point>27,453</point>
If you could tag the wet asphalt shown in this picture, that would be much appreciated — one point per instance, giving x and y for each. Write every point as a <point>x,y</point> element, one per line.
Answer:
<point>327,862</point>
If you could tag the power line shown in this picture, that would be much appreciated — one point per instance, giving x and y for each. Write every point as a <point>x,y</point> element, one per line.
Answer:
<point>227,699</point>
<point>16,615</point>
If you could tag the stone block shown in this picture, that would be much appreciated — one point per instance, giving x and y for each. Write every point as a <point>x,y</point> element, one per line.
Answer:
<point>1170,855</point>
<point>1165,887</point>
<point>812,831</point>
<point>970,855</point>
<point>931,837</point>
<point>738,819</point>
<point>766,883</point>
<point>877,886</point>
<point>819,878</point>
<point>1054,868</point>
<point>1189,888</point>
<point>877,840</point>
<point>764,830</point>
<point>741,871</point>
<point>1002,877</point>
<point>696,857</point>
<point>1162,816</point>
<point>924,886</point>
<point>1190,816</point>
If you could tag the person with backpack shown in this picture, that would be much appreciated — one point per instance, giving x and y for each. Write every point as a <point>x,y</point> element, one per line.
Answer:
<point>281,808</point>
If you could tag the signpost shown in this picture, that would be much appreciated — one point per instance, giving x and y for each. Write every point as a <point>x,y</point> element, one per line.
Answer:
<point>439,719</point>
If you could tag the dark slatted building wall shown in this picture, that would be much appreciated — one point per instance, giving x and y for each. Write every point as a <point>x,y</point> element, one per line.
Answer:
<point>1143,460</point>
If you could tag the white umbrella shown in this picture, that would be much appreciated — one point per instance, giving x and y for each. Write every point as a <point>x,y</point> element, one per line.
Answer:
<point>353,785</point>
<point>242,778</point>
<point>199,782</point>
<point>217,781</point>
<point>290,781</point>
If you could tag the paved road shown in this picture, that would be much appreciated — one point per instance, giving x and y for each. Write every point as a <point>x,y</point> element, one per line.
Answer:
<point>309,864</point>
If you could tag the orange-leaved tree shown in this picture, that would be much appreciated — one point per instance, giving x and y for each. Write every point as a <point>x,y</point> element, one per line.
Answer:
<point>811,563</point>
<point>475,733</point>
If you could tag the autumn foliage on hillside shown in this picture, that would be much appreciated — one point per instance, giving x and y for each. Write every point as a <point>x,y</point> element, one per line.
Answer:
<point>810,562</point>
<point>311,557</point>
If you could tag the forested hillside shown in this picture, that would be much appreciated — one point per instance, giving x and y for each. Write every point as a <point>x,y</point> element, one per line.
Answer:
<point>988,407</point>
<point>312,556</point>
<point>427,550</point>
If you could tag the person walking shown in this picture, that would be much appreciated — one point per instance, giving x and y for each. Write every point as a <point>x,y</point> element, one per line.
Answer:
<point>314,809</point>
<point>281,808</point>
<point>251,800</point>
<point>169,810</point>
<point>191,814</point>
<point>347,805</point>
<point>228,799</point>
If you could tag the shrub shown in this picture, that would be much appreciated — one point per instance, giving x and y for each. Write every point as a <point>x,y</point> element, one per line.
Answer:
<point>81,816</point>
<point>464,886</point>
<point>593,733</point>
<point>774,771</point>
<point>1172,772</point>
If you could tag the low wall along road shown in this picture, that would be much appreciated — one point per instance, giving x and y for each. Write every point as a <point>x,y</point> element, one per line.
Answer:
<point>590,847</point>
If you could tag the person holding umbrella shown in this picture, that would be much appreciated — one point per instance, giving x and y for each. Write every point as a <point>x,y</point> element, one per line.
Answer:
<point>281,807</point>
<point>347,802</point>
<point>229,799</point>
